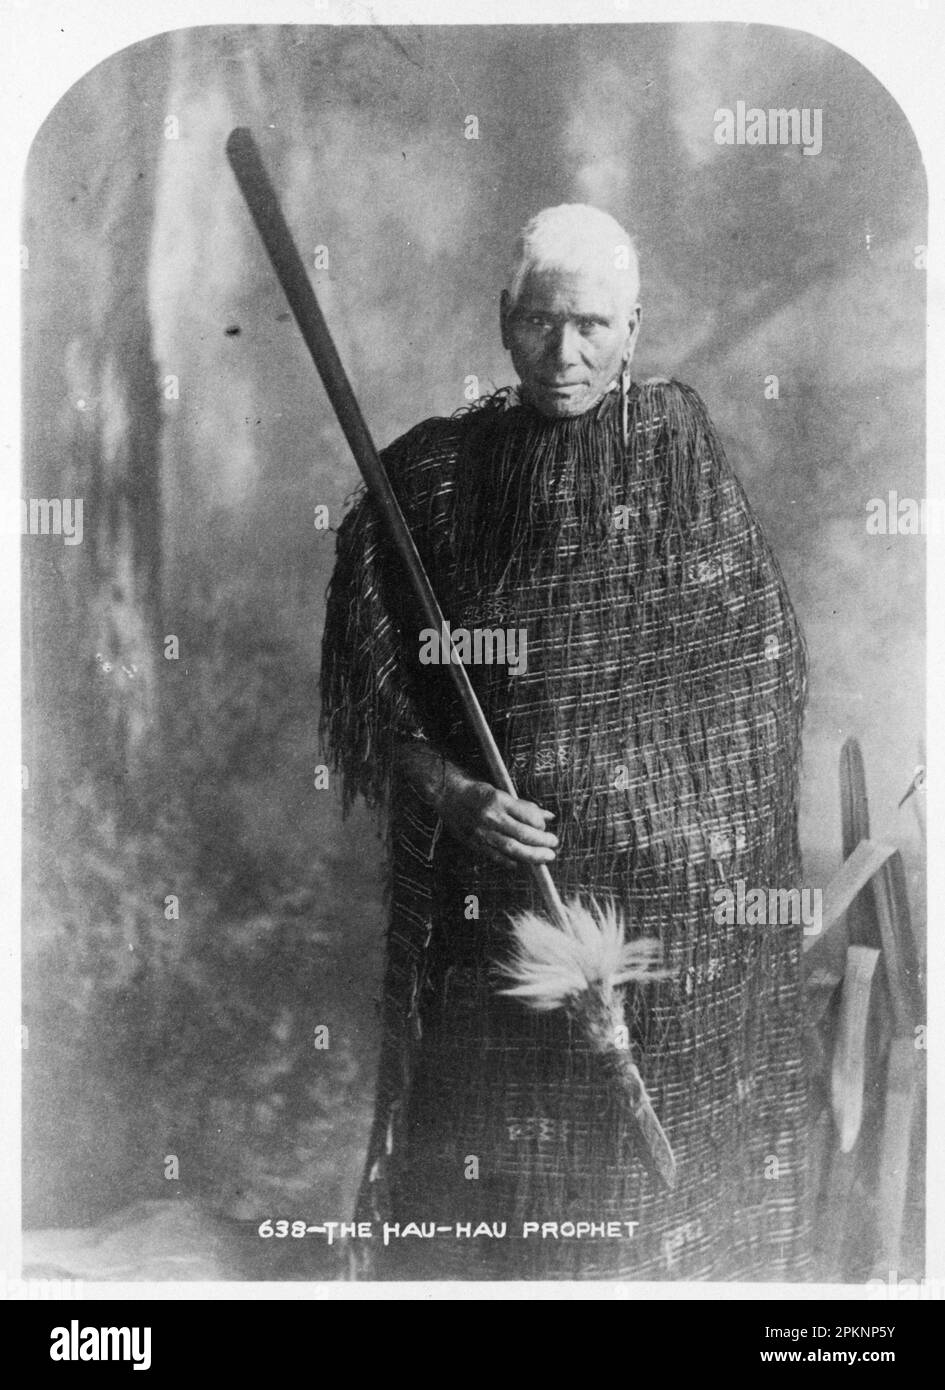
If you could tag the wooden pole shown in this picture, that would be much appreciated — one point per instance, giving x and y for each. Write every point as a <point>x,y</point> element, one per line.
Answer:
<point>246,163</point>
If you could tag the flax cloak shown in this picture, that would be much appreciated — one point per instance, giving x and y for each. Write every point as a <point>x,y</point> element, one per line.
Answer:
<point>660,717</point>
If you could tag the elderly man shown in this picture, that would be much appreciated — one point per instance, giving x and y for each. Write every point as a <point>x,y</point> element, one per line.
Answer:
<point>653,734</point>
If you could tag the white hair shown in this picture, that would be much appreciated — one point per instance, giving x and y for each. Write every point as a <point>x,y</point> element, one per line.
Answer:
<point>576,236</point>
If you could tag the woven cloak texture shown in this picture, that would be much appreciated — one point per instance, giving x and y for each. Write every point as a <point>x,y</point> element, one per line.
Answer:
<point>659,716</point>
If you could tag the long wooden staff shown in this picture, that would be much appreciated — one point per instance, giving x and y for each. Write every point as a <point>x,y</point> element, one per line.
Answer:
<point>246,162</point>
<point>263,204</point>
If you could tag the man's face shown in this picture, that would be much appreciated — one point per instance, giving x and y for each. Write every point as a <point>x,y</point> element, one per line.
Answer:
<point>568,335</point>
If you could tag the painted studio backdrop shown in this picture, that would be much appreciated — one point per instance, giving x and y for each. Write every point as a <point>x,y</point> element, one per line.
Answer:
<point>204,936</point>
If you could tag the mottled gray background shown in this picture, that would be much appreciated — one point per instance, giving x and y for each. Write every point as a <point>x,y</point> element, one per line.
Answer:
<point>148,777</point>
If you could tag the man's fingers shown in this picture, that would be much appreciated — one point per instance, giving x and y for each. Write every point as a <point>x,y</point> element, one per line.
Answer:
<point>522,831</point>
<point>510,849</point>
<point>525,811</point>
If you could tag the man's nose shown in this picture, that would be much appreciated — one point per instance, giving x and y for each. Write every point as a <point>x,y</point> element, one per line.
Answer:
<point>565,344</point>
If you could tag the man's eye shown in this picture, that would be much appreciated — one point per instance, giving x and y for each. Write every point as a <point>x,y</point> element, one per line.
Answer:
<point>537,321</point>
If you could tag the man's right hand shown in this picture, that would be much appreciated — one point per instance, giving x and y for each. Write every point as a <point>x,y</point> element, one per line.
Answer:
<point>488,821</point>
<point>494,823</point>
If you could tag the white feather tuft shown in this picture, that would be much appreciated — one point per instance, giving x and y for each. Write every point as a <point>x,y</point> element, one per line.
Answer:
<point>554,964</point>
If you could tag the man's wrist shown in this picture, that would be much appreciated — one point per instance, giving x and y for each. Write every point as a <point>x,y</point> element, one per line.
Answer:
<point>435,779</point>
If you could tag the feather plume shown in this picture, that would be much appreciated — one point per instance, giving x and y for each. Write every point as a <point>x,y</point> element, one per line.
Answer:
<point>553,965</point>
<point>579,963</point>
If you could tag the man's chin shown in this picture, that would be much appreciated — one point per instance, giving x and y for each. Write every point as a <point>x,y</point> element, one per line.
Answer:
<point>558,405</point>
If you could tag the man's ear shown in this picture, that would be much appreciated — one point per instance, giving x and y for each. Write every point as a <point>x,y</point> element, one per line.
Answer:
<point>505,309</point>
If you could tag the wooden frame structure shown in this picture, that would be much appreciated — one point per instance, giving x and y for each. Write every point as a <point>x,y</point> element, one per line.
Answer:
<point>865,1023</point>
